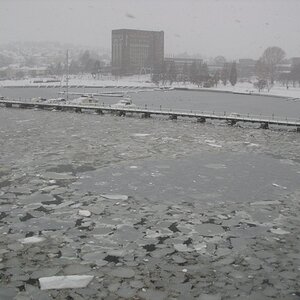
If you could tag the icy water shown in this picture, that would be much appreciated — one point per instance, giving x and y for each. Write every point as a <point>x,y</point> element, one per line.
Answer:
<point>177,100</point>
<point>150,208</point>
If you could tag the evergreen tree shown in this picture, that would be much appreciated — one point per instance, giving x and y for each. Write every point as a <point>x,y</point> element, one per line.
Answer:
<point>233,74</point>
<point>156,74</point>
<point>204,74</point>
<point>96,68</point>
<point>58,69</point>
<point>172,72</point>
<point>225,73</point>
<point>193,72</point>
<point>84,59</point>
<point>185,72</point>
<point>216,78</point>
<point>163,73</point>
<point>74,67</point>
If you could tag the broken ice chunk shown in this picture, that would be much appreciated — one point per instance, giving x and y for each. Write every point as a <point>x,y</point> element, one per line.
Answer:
<point>140,134</point>
<point>215,145</point>
<point>209,230</point>
<point>279,231</point>
<point>115,197</point>
<point>266,202</point>
<point>32,240</point>
<point>84,213</point>
<point>279,186</point>
<point>182,248</point>
<point>65,282</point>
<point>123,273</point>
<point>200,246</point>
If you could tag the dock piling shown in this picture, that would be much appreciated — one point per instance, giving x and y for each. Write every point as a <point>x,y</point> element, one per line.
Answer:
<point>232,122</point>
<point>145,115</point>
<point>264,125</point>
<point>121,113</point>
<point>201,120</point>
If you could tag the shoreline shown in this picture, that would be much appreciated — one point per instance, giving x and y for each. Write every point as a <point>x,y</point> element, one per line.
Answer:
<point>135,82</point>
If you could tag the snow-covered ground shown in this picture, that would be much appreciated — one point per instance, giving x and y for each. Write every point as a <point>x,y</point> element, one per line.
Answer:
<point>85,80</point>
<point>145,82</point>
<point>245,87</point>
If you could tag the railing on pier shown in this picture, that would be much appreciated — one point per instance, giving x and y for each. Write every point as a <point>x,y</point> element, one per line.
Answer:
<point>201,116</point>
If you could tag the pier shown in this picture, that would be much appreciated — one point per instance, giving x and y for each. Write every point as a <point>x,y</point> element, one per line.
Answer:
<point>145,112</point>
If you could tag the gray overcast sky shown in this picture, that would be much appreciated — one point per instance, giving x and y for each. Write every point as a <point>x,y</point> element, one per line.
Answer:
<point>233,28</point>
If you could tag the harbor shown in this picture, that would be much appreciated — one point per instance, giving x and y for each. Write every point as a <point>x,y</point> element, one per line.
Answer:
<point>201,117</point>
<point>142,159</point>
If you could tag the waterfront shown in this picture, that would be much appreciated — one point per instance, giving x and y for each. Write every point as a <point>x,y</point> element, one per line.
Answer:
<point>187,100</point>
<point>179,210</point>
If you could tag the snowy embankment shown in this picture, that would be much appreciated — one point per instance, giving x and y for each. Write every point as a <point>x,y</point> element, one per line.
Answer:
<point>83,81</point>
<point>143,81</point>
<point>247,88</point>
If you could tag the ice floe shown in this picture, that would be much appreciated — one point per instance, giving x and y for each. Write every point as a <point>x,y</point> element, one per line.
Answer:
<point>32,240</point>
<point>279,231</point>
<point>115,197</point>
<point>279,186</point>
<point>65,282</point>
<point>84,213</point>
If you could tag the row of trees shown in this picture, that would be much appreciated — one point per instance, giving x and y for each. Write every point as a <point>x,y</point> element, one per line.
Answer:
<point>290,78</point>
<point>86,63</point>
<point>267,70</point>
<point>196,73</point>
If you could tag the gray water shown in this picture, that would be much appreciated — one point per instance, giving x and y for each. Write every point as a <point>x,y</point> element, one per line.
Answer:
<point>202,208</point>
<point>153,158</point>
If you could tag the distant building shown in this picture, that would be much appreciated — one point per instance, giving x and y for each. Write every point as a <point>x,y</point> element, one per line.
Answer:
<point>17,72</point>
<point>180,62</point>
<point>136,51</point>
<point>246,68</point>
<point>283,68</point>
<point>213,67</point>
<point>295,61</point>
<point>216,65</point>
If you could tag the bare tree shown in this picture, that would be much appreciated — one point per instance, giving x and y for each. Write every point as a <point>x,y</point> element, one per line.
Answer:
<point>271,57</point>
<point>262,72</point>
<point>233,74</point>
<point>260,84</point>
